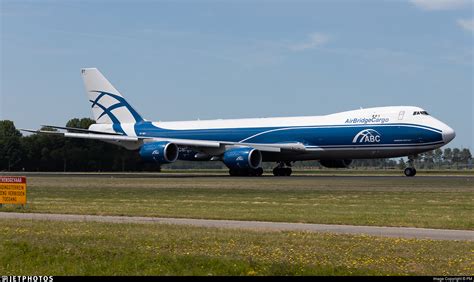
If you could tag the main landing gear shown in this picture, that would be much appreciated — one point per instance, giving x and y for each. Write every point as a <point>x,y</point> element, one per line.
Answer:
<point>246,171</point>
<point>281,170</point>
<point>410,170</point>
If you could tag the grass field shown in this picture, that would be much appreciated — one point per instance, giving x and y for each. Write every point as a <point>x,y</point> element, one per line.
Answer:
<point>395,201</point>
<point>91,248</point>
<point>79,248</point>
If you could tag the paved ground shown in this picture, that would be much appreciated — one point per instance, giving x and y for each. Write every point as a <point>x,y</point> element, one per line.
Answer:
<point>404,232</point>
<point>197,174</point>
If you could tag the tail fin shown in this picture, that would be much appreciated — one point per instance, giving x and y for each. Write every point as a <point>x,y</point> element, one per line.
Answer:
<point>108,105</point>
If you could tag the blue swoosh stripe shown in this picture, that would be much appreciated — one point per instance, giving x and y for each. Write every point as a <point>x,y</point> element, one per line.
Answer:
<point>122,103</point>
<point>376,145</point>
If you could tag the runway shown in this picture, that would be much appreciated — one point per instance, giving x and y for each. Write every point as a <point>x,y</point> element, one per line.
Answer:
<point>401,232</point>
<point>298,175</point>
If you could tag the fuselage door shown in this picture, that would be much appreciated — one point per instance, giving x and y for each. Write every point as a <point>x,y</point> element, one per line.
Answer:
<point>401,115</point>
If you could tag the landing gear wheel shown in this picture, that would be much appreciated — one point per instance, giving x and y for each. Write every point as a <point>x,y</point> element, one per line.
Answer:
<point>410,171</point>
<point>276,171</point>
<point>282,171</point>
<point>255,172</point>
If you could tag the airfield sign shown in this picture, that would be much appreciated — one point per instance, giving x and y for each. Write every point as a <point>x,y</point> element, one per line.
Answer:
<point>13,190</point>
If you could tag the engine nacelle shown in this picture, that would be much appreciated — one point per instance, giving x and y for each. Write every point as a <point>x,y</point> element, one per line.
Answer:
<point>244,157</point>
<point>159,152</point>
<point>336,163</point>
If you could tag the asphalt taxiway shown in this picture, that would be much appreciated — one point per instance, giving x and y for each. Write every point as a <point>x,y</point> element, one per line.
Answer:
<point>401,232</point>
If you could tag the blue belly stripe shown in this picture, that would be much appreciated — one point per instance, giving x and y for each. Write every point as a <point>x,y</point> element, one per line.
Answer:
<point>322,136</point>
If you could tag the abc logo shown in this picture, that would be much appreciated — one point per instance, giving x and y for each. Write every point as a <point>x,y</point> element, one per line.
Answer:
<point>367,136</point>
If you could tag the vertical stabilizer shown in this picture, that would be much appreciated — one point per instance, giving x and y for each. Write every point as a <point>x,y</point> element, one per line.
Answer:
<point>108,105</point>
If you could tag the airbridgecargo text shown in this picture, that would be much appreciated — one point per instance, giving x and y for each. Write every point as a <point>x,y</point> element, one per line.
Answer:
<point>367,120</point>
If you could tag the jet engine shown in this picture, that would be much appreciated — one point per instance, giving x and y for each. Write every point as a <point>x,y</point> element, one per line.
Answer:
<point>242,158</point>
<point>336,163</point>
<point>159,152</point>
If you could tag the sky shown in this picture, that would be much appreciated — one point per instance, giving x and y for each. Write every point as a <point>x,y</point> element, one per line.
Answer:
<point>187,60</point>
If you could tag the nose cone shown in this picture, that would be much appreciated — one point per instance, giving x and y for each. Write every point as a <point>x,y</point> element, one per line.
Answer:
<point>448,134</point>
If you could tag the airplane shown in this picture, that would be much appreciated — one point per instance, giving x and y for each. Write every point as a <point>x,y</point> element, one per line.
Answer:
<point>243,144</point>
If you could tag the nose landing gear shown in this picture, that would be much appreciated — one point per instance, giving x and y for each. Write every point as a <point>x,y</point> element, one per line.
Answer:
<point>410,170</point>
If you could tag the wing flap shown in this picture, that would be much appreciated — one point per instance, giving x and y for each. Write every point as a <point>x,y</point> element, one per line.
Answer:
<point>276,147</point>
<point>189,142</point>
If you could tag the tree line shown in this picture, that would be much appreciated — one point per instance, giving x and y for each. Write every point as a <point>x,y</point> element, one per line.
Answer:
<point>45,152</point>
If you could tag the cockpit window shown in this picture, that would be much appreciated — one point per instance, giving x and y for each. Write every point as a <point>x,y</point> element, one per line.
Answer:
<point>421,113</point>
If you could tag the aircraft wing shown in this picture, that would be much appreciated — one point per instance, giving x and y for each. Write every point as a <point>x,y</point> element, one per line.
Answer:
<point>270,147</point>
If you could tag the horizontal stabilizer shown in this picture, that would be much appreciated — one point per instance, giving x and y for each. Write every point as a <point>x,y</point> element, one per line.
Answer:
<point>39,131</point>
<point>81,130</point>
<point>103,137</point>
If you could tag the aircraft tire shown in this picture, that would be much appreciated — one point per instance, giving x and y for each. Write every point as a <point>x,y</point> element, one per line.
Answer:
<point>410,171</point>
<point>282,171</point>
<point>276,171</point>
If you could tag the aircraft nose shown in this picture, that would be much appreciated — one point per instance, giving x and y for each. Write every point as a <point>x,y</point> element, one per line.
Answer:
<point>448,134</point>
